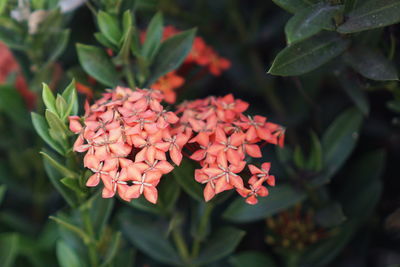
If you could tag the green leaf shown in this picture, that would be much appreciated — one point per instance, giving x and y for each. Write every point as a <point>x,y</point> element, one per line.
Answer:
<point>305,56</point>
<point>11,34</point>
<point>12,104</point>
<point>61,106</point>
<point>113,250</point>
<point>42,128</point>
<point>355,92</point>
<point>3,4</point>
<point>184,175</point>
<point>252,259</point>
<point>221,244</point>
<point>72,184</point>
<point>8,249</point>
<point>280,198</point>
<point>60,42</point>
<point>298,157</point>
<point>371,14</point>
<point>104,41</point>
<point>66,256</point>
<point>172,53</point>
<point>330,216</point>
<point>309,21</point>
<point>146,235</point>
<point>371,64</point>
<point>109,27</point>
<point>100,213</point>
<point>96,63</point>
<point>314,162</point>
<point>291,6</point>
<point>71,227</point>
<point>127,21</point>
<point>3,190</point>
<point>48,98</point>
<point>58,166</point>
<point>338,142</point>
<point>57,129</point>
<point>153,37</point>
<point>71,97</point>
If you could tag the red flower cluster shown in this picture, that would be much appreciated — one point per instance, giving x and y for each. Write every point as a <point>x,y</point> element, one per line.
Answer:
<point>126,135</point>
<point>201,54</point>
<point>223,136</point>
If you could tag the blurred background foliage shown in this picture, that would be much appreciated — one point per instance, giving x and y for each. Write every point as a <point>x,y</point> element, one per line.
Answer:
<point>326,70</point>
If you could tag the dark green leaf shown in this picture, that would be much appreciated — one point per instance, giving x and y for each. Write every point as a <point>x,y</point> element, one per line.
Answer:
<point>153,37</point>
<point>338,142</point>
<point>172,53</point>
<point>113,249</point>
<point>252,259</point>
<point>330,215</point>
<point>221,244</point>
<point>309,21</point>
<point>314,162</point>
<point>42,128</point>
<point>394,105</point>
<point>71,227</point>
<point>372,14</point>
<point>10,33</point>
<point>72,184</point>
<point>308,55</point>
<point>184,175</point>
<point>60,42</point>
<point>96,63</point>
<point>298,157</point>
<point>59,166</point>
<point>12,104</point>
<point>109,27</point>
<point>8,249</point>
<point>371,64</point>
<point>146,235</point>
<point>104,41</point>
<point>355,92</point>
<point>66,256</point>
<point>280,198</point>
<point>100,213</point>
<point>3,190</point>
<point>291,6</point>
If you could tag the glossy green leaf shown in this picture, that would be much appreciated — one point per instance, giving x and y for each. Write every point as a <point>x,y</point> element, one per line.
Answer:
<point>291,6</point>
<point>96,63</point>
<point>57,129</point>
<point>104,41</point>
<point>72,184</point>
<point>172,53</point>
<point>280,198</point>
<point>338,142</point>
<point>127,21</point>
<point>309,21</point>
<point>61,106</point>
<point>8,249</point>
<point>371,14</point>
<point>355,92</point>
<point>48,98</point>
<point>147,236</point>
<point>314,161</point>
<point>330,216</point>
<point>184,175</point>
<point>252,259</point>
<point>3,190</point>
<point>42,128</point>
<point>371,64</point>
<point>66,256</point>
<point>221,244</point>
<point>305,56</point>
<point>58,45</point>
<point>109,27</point>
<point>71,97</point>
<point>153,37</point>
<point>59,166</point>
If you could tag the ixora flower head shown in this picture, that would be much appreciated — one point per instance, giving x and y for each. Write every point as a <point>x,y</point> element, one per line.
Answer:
<point>222,138</point>
<point>129,139</point>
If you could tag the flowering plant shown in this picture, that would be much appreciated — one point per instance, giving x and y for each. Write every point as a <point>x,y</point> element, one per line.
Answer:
<point>156,137</point>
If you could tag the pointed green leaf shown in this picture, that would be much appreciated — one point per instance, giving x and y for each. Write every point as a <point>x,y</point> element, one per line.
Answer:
<point>338,142</point>
<point>305,56</point>
<point>58,166</point>
<point>221,244</point>
<point>309,21</point>
<point>12,104</point>
<point>371,14</point>
<point>280,198</point>
<point>291,6</point>
<point>48,98</point>
<point>172,53</point>
<point>113,249</point>
<point>58,45</point>
<point>147,236</point>
<point>355,92</point>
<point>153,37</point>
<point>109,27</point>
<point>8,249</point>
<point>61,105</point>
<point>66,256</point>
<point>72,184</point>
<point>57,129</point>
<point>127,21</point>
<point>104,41</point>
<point>184,176</point>
<point>42,128</point>
<point>314,162</point>
<point>71,97</point>
<point>96,63</point>
<point>371,64</point>
<point>73,228</point>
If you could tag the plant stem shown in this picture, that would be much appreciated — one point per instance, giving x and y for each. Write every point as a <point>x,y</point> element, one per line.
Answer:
<point>202,229</point>
<point>91,245</point>
<point>180,244</point>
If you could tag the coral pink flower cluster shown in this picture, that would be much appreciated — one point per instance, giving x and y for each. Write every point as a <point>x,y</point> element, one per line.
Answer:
<point>126,136</point>
<point>222,139</point>
<point>201,54</point>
